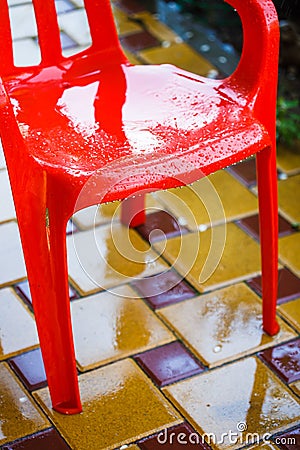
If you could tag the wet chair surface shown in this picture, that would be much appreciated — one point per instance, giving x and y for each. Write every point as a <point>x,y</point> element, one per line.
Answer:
<point>92,128</point>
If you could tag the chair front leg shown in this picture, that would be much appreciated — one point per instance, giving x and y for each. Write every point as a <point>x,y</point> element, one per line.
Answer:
<point>268,220</point>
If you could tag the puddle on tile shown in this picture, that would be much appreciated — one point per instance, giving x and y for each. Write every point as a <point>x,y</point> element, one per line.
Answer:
<point>17,326</point>
<point>110,326</point>
<point>19,416</point>
<point>120,405</point>
<point>223,325</point>
<point>244,398</point>
<point>217,257</point>
<point>210,201</point>
<point>109,256</point>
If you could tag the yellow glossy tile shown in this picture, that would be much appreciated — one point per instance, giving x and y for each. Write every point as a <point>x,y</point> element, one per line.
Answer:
<point>211,200</point>
<point>7,209</point>
<point>289,205</point>
<point>244,395</point>
<point>288,160</point>
<point>291,312</point>
<point>289,252</point>
<point>181,55</point>
<point>17,326</point>
<point>120,405</point>
<point>19,416</point>
<point>11,256</point>
<point>223,325</point>
<point>124,24</point>
<point>107,212</point>
<point>157,28</point>
<point>214,258</point>
<point>108,256</point>
<point>110,326</point>
<point>296,387</point>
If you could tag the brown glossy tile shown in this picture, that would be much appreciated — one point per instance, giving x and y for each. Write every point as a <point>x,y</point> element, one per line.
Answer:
<point>109,256</point>
<point>175,438</point>
<point>46,440</point>
<point>23,291</point>
<point>125,25</point>
<point>251,226</point>
<point>289,252</point>
<point>245,171</point>
<point>284,360</point>
<point>217,403</point>
<point>211,200</point>
<point>291,312</point>
<point>181,55</point>
<point>18,330</point>
<point>139,41</point>
<point>160,225</point>
<point>30,369</point>
<point>288,160</point>
<point>208,259</point>
<point>131,57</point>
<point>19,416</point>
<point>288,285</point>
<point>222,325</point>
<point>131,6</point>
<point>290,440</point>
<point>7,209</point>
<point>288,200</point>
<point>163,289</point>
<point>169,363</point>
<point>11,256</point>
<point>110,326</point>
<point>158,29</point>
<point>120,405</point>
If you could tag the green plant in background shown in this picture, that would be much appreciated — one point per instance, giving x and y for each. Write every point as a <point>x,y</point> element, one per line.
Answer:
<point>288,121</point>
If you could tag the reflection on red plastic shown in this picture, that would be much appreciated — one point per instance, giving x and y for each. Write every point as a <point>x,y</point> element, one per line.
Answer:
<point>68,119</point>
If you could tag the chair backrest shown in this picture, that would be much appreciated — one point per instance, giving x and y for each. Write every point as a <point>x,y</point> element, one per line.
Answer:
<point>102,30</point>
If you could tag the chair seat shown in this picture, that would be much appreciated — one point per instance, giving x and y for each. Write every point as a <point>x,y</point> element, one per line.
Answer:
<point>123,117</point>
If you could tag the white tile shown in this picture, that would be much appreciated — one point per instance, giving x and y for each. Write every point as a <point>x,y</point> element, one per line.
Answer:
<point>75,24</point>
<point>17,325</point>
<point>26,52</point>
<point>2,159</point>
<point>12,266</point>
<point>7,209</point>
<point>23,22</point>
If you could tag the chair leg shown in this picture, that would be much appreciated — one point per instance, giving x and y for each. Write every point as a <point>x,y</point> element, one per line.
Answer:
<point>133,211</point>
<point>268,214</point>
<point>43,232</point>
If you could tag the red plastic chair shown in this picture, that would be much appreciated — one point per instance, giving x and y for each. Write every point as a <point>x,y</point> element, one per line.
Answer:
<point>53,148</point>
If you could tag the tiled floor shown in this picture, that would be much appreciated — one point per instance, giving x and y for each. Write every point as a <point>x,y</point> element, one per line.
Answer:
<point>170,353</point>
